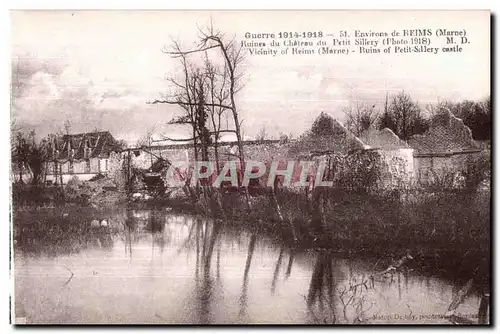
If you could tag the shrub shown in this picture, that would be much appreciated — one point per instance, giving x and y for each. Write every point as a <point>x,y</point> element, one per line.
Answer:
<point>74,182</point>
<point>360,171</point>
<point>477,169</point>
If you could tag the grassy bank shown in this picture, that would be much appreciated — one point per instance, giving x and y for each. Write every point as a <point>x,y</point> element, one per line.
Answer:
<point>444,220</point>
<point>387,220</point>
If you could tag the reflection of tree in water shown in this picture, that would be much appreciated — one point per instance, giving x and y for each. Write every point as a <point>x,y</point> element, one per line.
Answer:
<point>329,303</point>
<point>277,269</point>
<point>290,264</point>
<point>218,261</point>
<point>143,224</point>
<point>129,228</point>
<point>244,288</point>
<point>101,237</point>
<point>156,225</point>
<point>321,290</point>
<point>206,238</point>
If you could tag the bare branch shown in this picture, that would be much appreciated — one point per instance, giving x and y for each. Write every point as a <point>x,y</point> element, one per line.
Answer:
<point>176,83</point>
<point>188,103</point>
<point>178,54</point>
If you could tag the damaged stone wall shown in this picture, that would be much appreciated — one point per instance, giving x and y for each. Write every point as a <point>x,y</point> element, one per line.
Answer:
<point>445,150</point>
<point>116,169</point>
<point>264,152</point>
<point>397,157</point>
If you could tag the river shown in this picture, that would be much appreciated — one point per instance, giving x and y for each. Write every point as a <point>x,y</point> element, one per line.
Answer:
<point>156,267</point>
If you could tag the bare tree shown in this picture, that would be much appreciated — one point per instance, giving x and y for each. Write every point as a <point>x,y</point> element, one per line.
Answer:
<point>147,139</point>
<point>262,135</point>
<point>30,155</point>
<point>209,90</point>
<point>67,127</point>
<point>407,115</point>
<point>386,120</point>
<point>403,116</point>
<point>233,57</point>
<point>184,95</point>
<point>20,151</point>
<point>203,95</point>
<point>359,117</point>
<point>285,138</point>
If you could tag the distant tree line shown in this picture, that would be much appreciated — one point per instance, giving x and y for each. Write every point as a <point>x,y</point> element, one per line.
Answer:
<point>28,155</point>
<point>405,117</point>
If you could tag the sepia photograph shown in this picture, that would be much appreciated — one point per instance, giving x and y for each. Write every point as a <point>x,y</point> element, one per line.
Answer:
<point>226,167</point>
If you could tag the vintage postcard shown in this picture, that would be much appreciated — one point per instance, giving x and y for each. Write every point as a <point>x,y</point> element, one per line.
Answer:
<point>251,167</point>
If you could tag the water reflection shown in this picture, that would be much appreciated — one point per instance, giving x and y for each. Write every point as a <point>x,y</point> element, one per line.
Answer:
<point>205,286</point>
<point>321,290</point>
<point>100,237</point>
<point>290,264</point>
<point>150,266</point>
<point>129,227</point>
<point>244,288</point>
<point>277,269</point>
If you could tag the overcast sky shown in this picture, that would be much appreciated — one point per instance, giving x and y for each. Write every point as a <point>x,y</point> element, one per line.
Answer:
<point>98,69</point>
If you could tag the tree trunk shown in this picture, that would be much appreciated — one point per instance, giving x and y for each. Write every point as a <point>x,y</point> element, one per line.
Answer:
<point>317,210</point>
<point>216,154</point>
<point>279,213</point>
<point>20,166</point>
<point>61,179</point>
